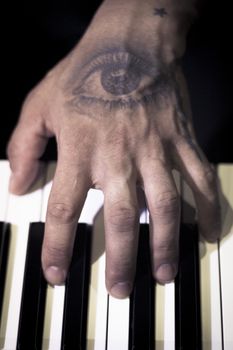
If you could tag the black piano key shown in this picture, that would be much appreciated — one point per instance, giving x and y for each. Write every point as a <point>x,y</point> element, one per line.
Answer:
<point>4,250</point>
<point>34,293</point>
<point>141,325</point>
<point>76,295</point>
<point>187,292</point>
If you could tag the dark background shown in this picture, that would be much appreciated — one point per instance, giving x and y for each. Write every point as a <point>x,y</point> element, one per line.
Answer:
<point>36,34</point>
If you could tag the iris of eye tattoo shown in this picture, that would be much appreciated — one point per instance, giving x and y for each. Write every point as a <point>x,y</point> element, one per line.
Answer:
<point>117,79</point>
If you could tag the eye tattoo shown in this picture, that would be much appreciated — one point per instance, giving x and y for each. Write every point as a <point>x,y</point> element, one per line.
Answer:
<point>117,79</point>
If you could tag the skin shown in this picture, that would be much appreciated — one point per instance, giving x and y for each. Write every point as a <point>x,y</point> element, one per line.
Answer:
<point>121,116</point>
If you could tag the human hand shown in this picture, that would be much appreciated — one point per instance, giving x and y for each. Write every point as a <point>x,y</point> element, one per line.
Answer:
<point>121,118</point>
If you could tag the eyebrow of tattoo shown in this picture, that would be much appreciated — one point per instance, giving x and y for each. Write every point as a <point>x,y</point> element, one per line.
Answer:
<point>161,12</point>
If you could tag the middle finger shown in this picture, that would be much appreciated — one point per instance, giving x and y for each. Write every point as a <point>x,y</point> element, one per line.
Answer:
<point>164,207</point>
<point>121,218</point>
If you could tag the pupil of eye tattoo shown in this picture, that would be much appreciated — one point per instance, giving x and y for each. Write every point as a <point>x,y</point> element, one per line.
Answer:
<point>119,81</point>
<point>161,12</point>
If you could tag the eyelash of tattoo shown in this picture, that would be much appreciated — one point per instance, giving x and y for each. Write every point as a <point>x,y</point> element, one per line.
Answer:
<point>120,103</point>
<point>124,60</point>
<point>184,124</point>
<point>121,58</point>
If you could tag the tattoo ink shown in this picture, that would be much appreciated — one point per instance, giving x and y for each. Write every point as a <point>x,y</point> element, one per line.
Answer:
<point>117,79</point>
<point>120,81</point>
<point>161,12</point>
<point>183,124</point>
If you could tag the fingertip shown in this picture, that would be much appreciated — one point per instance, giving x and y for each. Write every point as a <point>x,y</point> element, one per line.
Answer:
<point>166,273</point>
<point>211,234</point>
<point>213,238</point>
<point>22,179</point>
<point>121,290</point>
<point>55,276</point>
<point>16,186</point>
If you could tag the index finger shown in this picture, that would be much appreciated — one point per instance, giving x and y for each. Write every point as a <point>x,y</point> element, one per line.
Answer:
<point>66,200</point>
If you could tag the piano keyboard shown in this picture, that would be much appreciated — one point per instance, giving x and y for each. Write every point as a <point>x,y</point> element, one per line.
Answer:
<point>194,312</point>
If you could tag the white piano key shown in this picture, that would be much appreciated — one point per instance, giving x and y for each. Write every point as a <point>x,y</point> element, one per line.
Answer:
<point>225,173</point>
<point>165,317</point>
<point>98,297</point>
<point>47,318</point>
<point>21,211</point>
<point>143,216</point>
<point>101,307</point>
<point>118,324</point>
<point>210,297</point>
<point>93,204</point>
<point>169,317</point>
<point>159,316</point>
<point>142,207</point>
<point>57,318</point>
<point>4,181</point>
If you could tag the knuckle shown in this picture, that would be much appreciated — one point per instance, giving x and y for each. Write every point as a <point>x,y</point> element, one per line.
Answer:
<point>62,213</point>
<point>123,216</point>
<point>166,247</point>
<point>55,255</point>
<point>208,184</point>
<point>165,250</point>
<point>209,175</point>
<point>166,203</point>
<point>120,271</point>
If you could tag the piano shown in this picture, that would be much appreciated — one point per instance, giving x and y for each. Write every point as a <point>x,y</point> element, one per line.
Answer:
<point>193,312</point>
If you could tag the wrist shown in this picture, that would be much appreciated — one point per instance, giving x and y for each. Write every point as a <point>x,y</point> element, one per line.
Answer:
<point>158,27</point>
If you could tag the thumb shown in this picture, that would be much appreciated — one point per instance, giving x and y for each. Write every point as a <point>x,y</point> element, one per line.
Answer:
<point>25,147</point>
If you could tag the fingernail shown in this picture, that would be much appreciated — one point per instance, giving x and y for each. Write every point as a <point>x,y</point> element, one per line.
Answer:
<point>121,290</point>
<point>166,273</point>
<point>55,275</point>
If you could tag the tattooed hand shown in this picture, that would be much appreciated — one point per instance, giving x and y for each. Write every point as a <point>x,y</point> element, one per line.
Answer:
<point>122,122</point>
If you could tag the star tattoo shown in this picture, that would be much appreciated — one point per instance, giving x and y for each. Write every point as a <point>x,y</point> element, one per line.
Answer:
<point>161,12</point>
